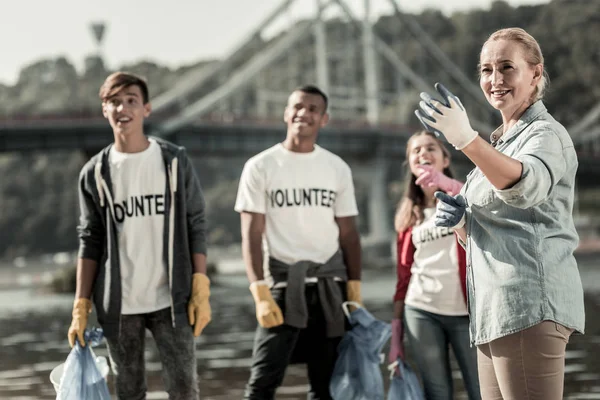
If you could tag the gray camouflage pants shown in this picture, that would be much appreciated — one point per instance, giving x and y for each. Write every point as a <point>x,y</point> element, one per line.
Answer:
<point>176,349</point>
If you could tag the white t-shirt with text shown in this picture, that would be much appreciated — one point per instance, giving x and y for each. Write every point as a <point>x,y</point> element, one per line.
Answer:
<point>435,281</point>
<point>138,183</point>
<point>300,194</point>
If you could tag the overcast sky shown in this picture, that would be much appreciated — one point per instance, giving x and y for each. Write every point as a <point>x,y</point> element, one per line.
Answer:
<point>171,32</point>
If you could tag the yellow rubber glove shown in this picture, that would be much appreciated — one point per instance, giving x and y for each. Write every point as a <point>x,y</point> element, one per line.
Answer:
<point>199,312</point>
<point>268,313</point>
<point>81,309</point>
<point>353,291</point>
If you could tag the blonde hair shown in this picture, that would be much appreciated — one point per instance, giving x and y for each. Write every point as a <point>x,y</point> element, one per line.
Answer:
<point>532,53</point>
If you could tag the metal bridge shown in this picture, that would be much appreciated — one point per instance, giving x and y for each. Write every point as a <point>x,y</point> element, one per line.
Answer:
<point>234,106</point>
<point>225,106</point>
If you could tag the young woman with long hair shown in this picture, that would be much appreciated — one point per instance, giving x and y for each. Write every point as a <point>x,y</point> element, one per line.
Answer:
<point>430,299</point>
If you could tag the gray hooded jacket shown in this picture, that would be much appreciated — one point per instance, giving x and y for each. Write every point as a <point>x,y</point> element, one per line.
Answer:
<point>184,232</point>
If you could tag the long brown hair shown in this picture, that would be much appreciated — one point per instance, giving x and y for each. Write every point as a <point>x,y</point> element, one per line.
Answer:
<point>410,208</point>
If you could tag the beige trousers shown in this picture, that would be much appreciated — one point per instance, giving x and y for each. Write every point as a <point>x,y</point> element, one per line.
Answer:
<point>527,365</point>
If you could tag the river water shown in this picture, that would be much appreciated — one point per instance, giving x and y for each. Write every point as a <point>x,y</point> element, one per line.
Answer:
<point>33,325</point>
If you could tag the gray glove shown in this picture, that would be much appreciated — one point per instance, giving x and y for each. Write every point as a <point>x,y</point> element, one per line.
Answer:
<point>447,118</point>
<point>450,211</point>
<point>426,108</point>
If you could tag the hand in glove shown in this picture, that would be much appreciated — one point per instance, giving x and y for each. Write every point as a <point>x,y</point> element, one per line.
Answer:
<point>81,309</point>
<point>268,313</point>
<point>431,177</point>
<point>450,211</point>
<point>396,344</point>
<point>446,119</point>
<point>199,312</point>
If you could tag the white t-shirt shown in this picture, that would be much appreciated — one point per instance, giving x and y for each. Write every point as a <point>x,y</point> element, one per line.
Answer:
<point>435,282</point>
<point>138,183</point>
<point>301,194</point>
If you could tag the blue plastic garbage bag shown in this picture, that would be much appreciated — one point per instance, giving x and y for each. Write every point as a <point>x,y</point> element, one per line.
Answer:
<point>81,379</point>
<point>357,375</point>
<point>404,385</point>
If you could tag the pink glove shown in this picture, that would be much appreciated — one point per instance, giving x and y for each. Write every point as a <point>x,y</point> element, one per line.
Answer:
<point>433,178</point>
<point>396,347</point>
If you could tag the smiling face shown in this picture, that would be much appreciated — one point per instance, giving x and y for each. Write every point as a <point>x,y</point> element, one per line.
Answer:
<point>507,79</point>
<point>424,149</point>
<point>305,114</point>
<point>126,111</point>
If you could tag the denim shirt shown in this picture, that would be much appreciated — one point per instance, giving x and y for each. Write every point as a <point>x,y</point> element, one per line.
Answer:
<point>520,241</point>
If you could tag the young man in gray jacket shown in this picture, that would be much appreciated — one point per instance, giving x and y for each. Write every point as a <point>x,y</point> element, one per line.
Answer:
<point>142,251</point>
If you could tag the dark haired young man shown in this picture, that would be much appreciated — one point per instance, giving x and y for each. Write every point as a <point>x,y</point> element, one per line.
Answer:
<point>300,198</point>
<point>142,251</point>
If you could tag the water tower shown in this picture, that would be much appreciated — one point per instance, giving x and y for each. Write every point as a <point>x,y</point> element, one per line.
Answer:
<point>94,63</point>
<point>98,29</point>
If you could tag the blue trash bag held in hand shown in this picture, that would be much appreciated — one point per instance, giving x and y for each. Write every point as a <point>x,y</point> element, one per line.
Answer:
<point>357,375</point>
<point>404,385</point>
<point>81,379</point>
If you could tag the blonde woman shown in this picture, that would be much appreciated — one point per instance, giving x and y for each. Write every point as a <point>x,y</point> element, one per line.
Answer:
<point>514,215</point>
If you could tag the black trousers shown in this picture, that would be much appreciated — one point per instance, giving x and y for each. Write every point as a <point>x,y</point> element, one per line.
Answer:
<point>276,348</point>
